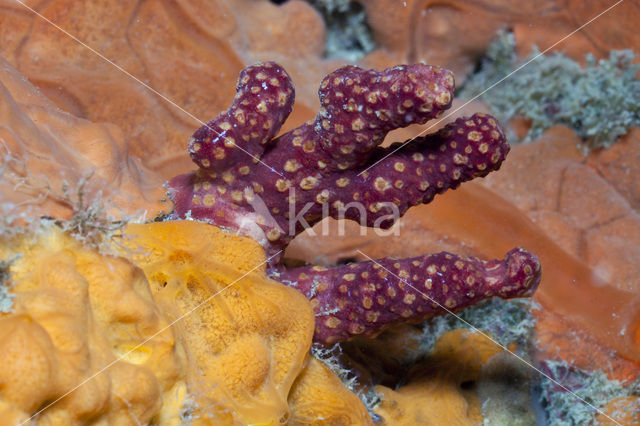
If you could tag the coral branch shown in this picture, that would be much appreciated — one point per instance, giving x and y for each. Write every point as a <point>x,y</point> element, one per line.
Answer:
<point>429,165</point>
<point>366,297</point>
<point>332,167</point>
<point>264,98</point>
<point>359,107</point>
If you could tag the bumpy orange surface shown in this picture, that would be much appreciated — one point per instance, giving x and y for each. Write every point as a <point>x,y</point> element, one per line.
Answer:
<point>76,312</point>
<point>250,333</point>
<point>43,149</point>
<point>593,216</point>
<point>190,51</point>
<point>455,33</point>
<point>319,398</point>
<point>434,396</point>
<point>199,333</point>
<point>625,410</point>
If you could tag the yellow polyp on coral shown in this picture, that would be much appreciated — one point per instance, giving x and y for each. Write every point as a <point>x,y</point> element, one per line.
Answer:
<point>319,397</point>
<point>73,308</point>
<point>435,396</point>
<point>246,337</point>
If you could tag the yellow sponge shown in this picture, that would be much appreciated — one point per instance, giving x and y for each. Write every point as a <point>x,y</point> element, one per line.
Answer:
<point>246,337</point>
<point>184,325</point>
<point>319,398</point>
<point>435,395</point>
<point>73,313</point>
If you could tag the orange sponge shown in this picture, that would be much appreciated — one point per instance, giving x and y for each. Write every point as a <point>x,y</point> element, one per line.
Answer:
<point>196,332</point>
<point>246,337</point>
<point>436,397</point>
<point>319,397</point>
<point>76,312</point>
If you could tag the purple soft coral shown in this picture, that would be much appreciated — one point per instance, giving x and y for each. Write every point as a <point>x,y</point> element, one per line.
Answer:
<point>264,99</point>
<point>332,166</point>
<point>365,297</point>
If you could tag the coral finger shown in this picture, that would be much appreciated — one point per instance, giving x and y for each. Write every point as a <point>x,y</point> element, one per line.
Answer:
<point>377,196</point>
<point>463,150</point>
<point>307,191</point>
<point>262,103</point>
<point>365,297</point>
<point>359,107</point>
<point>331,166</point>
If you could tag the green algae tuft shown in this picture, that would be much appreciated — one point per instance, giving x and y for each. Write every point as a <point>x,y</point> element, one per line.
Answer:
<point>600,101</point>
